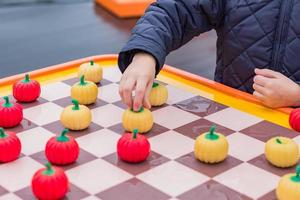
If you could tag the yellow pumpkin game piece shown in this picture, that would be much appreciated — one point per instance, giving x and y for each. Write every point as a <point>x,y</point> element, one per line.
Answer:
<point>289,186</point>
<point>158,95</point>
<point>211,147</point>
<point>141,120</point>
<point>85,92</point>
<point>91,71</point>
<point>282,152</point>
<point>76,117</point>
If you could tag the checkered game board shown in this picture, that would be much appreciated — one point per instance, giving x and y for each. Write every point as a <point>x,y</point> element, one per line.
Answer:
<point>171,172</point>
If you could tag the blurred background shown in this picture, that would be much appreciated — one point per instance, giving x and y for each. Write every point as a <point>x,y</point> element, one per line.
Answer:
<point>39,33</point>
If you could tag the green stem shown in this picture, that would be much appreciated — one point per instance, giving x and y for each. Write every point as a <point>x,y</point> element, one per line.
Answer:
<point>135,133</point>
<point>140,110</point>
<point>7,102</point>
<point>82,81</point>
<point>212,130</point>
<point>278,141</point>
<point>298,171</point>
<point>2,133</point>
<point>296,178</point>
<point>63,137</point>
<point>92,62</point>
<point>76,104</point>
<point>49,171</point>
<point>27,79</point>
<point>212,135</point>
<point>154,85</point>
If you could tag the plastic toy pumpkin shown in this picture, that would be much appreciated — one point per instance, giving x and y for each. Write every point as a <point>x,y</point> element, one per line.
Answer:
<point>26,90</point>
<point>10,146</point>
<point>11,114</point>
<point>289,186</point>
<point>91,71</point>
<point>85,92</point>
<point>76,117</point>
<point>158,95</point>
<point>295,119</point>
<point>142,120</point>
<point>50,183</point>
<point>211,147</point>
<point>282,152</point>
<point>133,147</point>
<point>62,150</point>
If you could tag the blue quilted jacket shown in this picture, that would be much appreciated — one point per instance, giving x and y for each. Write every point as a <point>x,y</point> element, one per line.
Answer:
<point>251,33</point>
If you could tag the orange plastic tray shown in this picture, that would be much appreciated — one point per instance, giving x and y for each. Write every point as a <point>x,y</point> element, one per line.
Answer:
<point>126,8</point>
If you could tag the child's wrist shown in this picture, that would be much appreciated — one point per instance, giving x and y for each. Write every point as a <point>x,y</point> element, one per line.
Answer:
<point>145,58</point>
<point>296,97</point>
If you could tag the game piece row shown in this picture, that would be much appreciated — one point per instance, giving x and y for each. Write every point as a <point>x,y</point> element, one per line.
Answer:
<point>24,91</point>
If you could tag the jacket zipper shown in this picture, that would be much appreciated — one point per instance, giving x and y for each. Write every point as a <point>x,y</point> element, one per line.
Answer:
<point>281,34</point>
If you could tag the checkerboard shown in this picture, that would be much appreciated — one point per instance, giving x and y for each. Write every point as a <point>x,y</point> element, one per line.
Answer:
<point>171,172</point>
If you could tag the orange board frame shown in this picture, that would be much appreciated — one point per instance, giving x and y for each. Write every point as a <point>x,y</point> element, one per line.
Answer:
<point>126,8</point>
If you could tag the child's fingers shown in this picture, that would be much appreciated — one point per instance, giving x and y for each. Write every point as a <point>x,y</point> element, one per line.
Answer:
<point>258,95</point>
<point>121,89</point>
<point>267,73</point>
<point>146,100</point>
<point>127,92</point>
<point>261,80</point>
<point>139,93</point>
<point>259,88</point>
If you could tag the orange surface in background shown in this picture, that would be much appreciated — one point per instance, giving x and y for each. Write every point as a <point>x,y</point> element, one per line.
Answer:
<point>190,82</point>
<point>126,8</point>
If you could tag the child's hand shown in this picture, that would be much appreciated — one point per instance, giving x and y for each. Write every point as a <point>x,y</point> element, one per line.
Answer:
<point>275,90</point>
<point>138,76</point>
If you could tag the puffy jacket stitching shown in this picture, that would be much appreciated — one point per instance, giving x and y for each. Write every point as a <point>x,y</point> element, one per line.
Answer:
<point>296,36</point>
<point>242,83</point>
<point>285,35</point>
<point>280,37</point>
<point>254,14</point>
<point>242,20</point>
<point>246,49</point>
<point>143,36</point>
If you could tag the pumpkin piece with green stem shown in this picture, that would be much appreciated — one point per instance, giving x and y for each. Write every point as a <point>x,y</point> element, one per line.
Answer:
<point>158,95</point>
<point>211,147</point>
<point>26,90</point>
<point>62,150</point>
<point>282,152</point>
<point>50,183</point>
<point>289,186</point>
<point>141,120</point>
<point>10,146</point>
<point>85,92</point>
<point>11,114</point>
<point>76,117</point>
<point>92,71</point>
<point>133,147</point>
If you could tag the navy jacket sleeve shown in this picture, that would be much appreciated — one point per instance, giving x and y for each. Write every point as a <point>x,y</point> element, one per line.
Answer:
<point>167,25</point>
